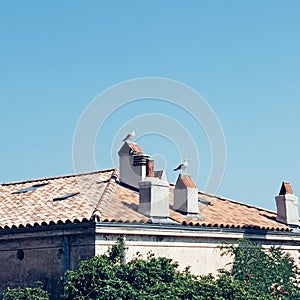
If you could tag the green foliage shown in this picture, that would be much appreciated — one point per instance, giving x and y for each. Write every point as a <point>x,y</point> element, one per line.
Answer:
<point>26,293</point>
<point>270,273</point>
<point>255,275</point>
<point>104,277</point>
<point>116,254</point>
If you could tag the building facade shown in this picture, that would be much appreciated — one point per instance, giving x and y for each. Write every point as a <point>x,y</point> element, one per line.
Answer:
<point>48,225</point>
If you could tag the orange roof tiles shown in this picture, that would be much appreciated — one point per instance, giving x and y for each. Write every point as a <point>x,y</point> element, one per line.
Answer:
<point>136,149</point>
<point>37,207</point>
<point>101,197</point>
<point>188,181</point>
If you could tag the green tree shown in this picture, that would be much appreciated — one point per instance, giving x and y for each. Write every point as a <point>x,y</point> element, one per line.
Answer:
<point>267,272</point>
<point>106,277</point>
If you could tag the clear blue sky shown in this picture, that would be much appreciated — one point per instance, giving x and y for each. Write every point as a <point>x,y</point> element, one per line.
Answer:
<point>241,56</point>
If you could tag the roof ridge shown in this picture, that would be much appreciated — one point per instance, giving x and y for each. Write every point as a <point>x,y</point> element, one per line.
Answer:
<point>57,177</point>
<point>106,195</point>
<point>237,202</point>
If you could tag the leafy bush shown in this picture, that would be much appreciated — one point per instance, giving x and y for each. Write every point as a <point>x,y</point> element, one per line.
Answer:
<point>25,294</point>
<point>104,277</point>
<point>270,273</point>
<point>255,275</point>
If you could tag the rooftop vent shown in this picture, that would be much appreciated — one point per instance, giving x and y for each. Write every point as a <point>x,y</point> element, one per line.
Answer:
<point>31,188</point>
<point>66,196</point>
<point>287,205</point>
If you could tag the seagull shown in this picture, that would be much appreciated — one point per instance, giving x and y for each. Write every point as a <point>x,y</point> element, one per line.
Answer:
<point>129,136</point>
<point>182,166</point>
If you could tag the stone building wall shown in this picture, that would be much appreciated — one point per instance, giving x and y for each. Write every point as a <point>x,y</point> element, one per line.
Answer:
<point>201,254</point>
<point>44,253</point>
<point>198,249</point>
<point>43,256</point>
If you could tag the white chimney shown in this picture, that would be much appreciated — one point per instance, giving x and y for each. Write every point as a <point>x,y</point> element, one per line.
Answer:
<point>132,164</point>
<point>154,197</point>
<point>287,205</point>
<point>186,195</point>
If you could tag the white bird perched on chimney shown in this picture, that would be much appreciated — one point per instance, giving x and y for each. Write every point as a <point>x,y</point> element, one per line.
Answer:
<point>182,166</point>
<point>130,136</point>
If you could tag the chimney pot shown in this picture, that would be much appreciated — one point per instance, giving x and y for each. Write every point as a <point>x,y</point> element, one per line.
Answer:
<point>150,168</point>
<point>154,197</point>
<point>186,195</point>
<point>140,159</point>
<point>287,205</point>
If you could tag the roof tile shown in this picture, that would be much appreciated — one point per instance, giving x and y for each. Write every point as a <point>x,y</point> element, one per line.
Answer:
<point>188,181</point>
<point>136,149</point>
<point>100,195</point>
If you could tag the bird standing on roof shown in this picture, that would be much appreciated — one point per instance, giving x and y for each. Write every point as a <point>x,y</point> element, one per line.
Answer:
<point>182,166</point>
<point>130,136</point>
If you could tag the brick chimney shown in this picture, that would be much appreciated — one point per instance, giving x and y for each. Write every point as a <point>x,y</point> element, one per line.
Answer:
<point>287,205</point>
<point>186,195</point>
<point>133,164</point>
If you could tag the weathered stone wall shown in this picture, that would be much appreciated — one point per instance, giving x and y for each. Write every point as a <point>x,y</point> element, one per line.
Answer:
<point>201,254</point>
<point>28,257</point>
<point>199,250</point>
<point>42,254</point>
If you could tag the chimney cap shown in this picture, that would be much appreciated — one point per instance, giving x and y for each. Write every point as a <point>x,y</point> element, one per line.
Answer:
<point>140,159</point>
<point>186,180</point>
<point>286,188</point>
<point>130,148</point>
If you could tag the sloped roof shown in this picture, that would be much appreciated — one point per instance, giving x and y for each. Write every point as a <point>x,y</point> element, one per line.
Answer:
<point>79,198</point>
<point>37,207</point>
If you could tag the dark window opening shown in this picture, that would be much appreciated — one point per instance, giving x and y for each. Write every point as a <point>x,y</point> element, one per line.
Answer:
<point>20,255</point>
<point>65,196</point>
<point>31,188</point>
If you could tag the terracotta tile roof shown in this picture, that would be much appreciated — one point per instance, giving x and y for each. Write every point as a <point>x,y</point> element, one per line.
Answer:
<point>99,195</point>
<point>36,207</point>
